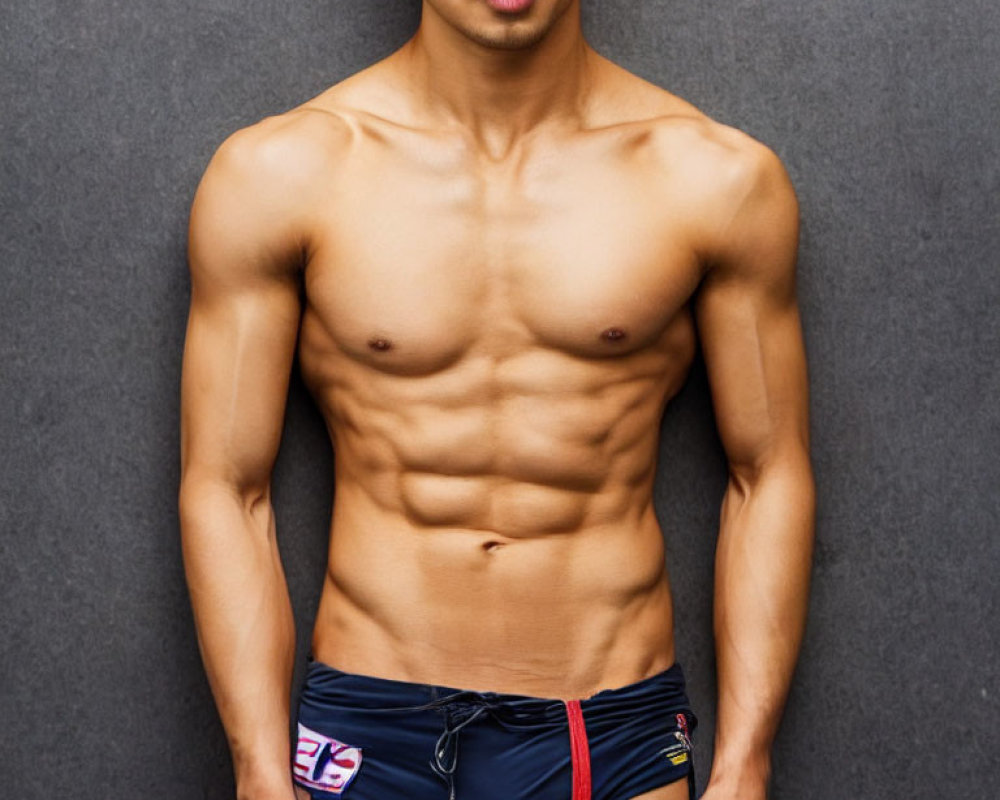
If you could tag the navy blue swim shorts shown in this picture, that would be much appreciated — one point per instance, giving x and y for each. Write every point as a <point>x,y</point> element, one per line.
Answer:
<point>368,738</point>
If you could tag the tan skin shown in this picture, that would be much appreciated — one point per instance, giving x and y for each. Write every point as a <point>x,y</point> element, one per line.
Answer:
<point>508,250</point>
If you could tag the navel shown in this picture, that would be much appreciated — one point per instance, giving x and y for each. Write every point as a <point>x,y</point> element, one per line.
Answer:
<point>379,343</point>
<point>613,334</point>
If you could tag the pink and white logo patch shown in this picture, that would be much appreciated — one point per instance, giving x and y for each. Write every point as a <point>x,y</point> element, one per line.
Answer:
<point>324,763</point>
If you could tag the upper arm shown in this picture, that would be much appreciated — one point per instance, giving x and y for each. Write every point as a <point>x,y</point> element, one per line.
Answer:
<point>748,317</point>
<point>245,245</point>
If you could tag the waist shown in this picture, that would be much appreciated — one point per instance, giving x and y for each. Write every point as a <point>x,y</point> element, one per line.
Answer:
<point>326,685</point>
<point>566,613</point>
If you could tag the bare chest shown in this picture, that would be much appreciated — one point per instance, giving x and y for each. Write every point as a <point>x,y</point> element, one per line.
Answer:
<point>421,259</point>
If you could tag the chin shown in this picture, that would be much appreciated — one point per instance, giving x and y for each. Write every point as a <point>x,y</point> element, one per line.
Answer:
<point>481,23</point>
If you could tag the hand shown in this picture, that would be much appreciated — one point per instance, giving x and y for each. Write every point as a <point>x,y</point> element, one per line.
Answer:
<point>732,790</point>
<point>288,793</point>
<point>719,793</point>
<point>279,788</point>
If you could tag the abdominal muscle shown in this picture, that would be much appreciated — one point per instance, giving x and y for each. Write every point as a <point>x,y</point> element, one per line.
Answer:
<point>507,544</point>
<point>553,616</point>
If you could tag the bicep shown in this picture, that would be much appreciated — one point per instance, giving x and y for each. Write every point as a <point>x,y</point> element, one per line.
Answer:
<point>242,326</point>
<point>749,325</point>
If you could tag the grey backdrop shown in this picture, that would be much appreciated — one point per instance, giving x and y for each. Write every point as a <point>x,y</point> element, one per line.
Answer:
<point>886,115</point>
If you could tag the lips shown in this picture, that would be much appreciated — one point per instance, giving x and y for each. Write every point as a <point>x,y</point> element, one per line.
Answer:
<point>509,6</point>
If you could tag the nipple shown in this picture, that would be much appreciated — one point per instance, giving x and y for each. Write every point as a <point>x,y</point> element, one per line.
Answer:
<point>379,344</point>
<point>613,335</point>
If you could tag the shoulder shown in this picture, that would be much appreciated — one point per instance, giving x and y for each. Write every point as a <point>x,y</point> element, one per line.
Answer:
<point>727,162</point>
<point>736,190</point>
<point>680,132</point>
<point>721,171</point>
<point>750,175</point>
<point>263,181</point>
<point>281,152</point>
<point>730,192</point>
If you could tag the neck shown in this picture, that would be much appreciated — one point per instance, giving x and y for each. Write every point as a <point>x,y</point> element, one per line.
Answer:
<point>498,93</point>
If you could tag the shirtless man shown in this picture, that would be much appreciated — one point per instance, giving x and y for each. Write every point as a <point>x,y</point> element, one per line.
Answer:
<point>492,250</point>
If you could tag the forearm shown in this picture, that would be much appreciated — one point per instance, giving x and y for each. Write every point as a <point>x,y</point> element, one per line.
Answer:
<point>763,564</point>
<point>245,628</point>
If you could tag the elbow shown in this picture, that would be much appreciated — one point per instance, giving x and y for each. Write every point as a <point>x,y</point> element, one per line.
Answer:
<point>789,467</point>
<point>199,489</point>
<point>218,519</point>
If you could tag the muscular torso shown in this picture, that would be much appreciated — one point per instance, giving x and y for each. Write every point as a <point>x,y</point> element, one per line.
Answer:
<point>492,344</point>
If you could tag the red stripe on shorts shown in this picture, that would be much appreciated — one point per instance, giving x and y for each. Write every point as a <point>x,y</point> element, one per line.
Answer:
<point>579,750</point>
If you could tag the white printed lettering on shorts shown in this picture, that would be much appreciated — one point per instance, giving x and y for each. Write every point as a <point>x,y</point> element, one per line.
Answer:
<point>324,763</point>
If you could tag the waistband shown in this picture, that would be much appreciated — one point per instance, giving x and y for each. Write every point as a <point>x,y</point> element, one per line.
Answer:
<point>376,693</point>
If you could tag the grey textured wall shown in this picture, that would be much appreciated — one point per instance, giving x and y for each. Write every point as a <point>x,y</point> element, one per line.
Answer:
<point>886,115</point>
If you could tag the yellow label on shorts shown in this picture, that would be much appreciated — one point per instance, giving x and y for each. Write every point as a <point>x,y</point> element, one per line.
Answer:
<point>677,753</point>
